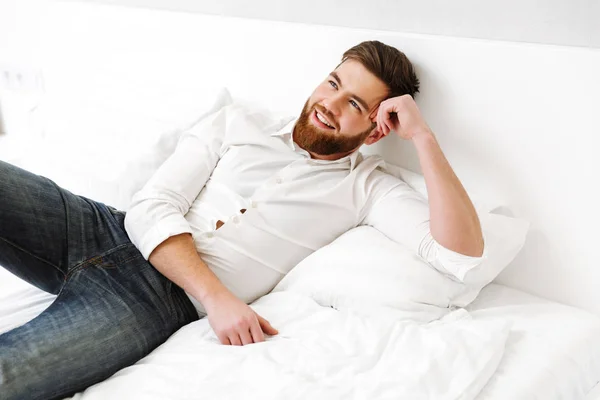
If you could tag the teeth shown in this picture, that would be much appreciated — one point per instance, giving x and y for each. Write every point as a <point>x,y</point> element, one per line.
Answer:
<point>323,120</point>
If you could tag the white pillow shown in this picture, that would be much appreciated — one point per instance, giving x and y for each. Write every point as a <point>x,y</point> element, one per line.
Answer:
<point>480,201</point>
<point>365,271</point>
<point>108,154</point>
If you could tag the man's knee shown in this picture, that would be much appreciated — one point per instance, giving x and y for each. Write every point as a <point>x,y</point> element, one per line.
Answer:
<point>19,377</point>
<point>9,388</point>
<point>46,369</point>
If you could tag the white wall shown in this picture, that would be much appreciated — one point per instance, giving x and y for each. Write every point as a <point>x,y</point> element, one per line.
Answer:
<point>563,22</point>
<point>19,51</point>
<point>518,120</point>
<point>19,34</point>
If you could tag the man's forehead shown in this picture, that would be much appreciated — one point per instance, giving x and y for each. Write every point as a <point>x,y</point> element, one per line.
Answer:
<point>358,80</point>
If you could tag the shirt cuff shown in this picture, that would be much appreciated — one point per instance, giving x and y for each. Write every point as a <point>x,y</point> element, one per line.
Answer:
<point>456,264</point>
<point>161,231</point>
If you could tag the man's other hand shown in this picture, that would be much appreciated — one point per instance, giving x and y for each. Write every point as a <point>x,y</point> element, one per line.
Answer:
<point>234,322</point>
<point>401,115</point>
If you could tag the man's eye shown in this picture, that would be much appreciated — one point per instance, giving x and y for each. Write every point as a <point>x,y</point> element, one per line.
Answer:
<point>333,84</point>
<point>355,105</point>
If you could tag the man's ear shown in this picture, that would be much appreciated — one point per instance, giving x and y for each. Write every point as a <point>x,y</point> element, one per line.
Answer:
<point>374,136</point>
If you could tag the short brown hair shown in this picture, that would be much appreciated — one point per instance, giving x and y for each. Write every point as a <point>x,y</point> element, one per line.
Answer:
<point>388,64</point>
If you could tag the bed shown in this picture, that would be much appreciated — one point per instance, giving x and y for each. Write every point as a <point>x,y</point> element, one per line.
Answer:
<point>543,358</point>
<point>550,352</point>
<point>530,333</point>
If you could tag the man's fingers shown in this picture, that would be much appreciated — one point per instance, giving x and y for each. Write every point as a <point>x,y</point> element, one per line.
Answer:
<point>382,123</point>
<point>374,114</point>
<point>266,326</point>
<point>246,337</point>
<point>257,333</point>
<point>223,339</point>
<point>234,338</point>
<point>389,122</point>
<point>385,116</point>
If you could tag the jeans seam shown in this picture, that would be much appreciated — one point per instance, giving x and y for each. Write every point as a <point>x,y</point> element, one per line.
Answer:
<point>170,300</point>
<point>33,255</point>
<point>67,214</point>
<point>91,260</point>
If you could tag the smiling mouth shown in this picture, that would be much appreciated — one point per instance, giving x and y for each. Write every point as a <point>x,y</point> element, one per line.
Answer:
<point>322,121</point>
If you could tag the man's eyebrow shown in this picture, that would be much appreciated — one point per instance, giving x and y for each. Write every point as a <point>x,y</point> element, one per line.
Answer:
<point>361,101</point>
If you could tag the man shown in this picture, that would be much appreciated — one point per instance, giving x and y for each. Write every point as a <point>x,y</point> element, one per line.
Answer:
<point>240,202</point>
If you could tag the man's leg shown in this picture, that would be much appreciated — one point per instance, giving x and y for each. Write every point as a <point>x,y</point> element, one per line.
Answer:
<point>46,230</point>
<point>113,310</point>
<point>112,307</point>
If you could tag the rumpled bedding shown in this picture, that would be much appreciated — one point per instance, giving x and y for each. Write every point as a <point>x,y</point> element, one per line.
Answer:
<point>319,353</point>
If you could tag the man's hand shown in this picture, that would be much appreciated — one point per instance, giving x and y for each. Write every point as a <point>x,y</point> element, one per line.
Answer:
<point>401,115</point>
<point>234,322</point>
<point>454,223</point>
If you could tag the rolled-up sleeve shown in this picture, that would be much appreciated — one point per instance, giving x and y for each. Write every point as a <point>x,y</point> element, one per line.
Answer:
<point>158,210</point>
<point>402,214</point>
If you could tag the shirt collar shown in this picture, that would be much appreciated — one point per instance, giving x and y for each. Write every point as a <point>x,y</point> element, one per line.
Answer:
<point>287,134</point>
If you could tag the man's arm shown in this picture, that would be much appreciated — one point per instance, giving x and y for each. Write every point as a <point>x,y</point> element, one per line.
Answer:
<point>453,220</point>
<point>454,223</point>
<point>156,224</point>
<point>177,259</point>
<point>233,321</point>
<point>157,211</point>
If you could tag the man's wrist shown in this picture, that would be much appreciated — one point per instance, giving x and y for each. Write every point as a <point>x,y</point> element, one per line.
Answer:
<point>208,295</point>
<point>423,137</point>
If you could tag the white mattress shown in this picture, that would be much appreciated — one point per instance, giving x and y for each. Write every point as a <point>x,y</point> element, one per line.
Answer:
<point>552,350</point>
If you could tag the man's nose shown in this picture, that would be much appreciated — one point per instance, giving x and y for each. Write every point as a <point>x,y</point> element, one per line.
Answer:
<point>332,105</point>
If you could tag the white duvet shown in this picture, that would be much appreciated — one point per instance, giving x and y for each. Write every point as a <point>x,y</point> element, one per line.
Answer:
<point>319,353</point>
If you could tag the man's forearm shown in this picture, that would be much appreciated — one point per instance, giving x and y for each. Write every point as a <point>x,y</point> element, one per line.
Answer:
<point>177,259</point>
<point>453,220</point>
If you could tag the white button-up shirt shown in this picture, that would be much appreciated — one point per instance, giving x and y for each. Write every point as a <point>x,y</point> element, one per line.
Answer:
<point>241,159</point>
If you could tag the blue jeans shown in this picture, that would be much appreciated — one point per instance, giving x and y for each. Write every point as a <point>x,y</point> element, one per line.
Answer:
<point>113,307</point>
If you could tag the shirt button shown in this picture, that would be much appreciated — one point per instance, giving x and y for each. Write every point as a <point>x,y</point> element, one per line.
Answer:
<point>209,235</point>
<point>278,180</point>
<point>235,219</point>
<point>254,204</point>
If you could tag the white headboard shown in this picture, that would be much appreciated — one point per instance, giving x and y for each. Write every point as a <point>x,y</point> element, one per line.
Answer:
<point>518,122</point>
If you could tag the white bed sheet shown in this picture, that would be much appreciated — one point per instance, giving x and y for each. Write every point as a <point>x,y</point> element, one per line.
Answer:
<point>551,352</point>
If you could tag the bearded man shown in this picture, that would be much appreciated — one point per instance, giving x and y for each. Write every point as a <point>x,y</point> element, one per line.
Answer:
<point>241,201</point>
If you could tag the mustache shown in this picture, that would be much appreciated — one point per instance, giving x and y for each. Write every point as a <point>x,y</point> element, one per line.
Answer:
<point>330,116</point>
<point>322,110</point>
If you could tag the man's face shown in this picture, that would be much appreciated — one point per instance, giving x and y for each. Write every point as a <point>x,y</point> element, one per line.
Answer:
<point>338,116</point>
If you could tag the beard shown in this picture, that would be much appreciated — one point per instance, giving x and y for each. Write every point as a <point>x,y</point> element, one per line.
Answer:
<point>324,142</point>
